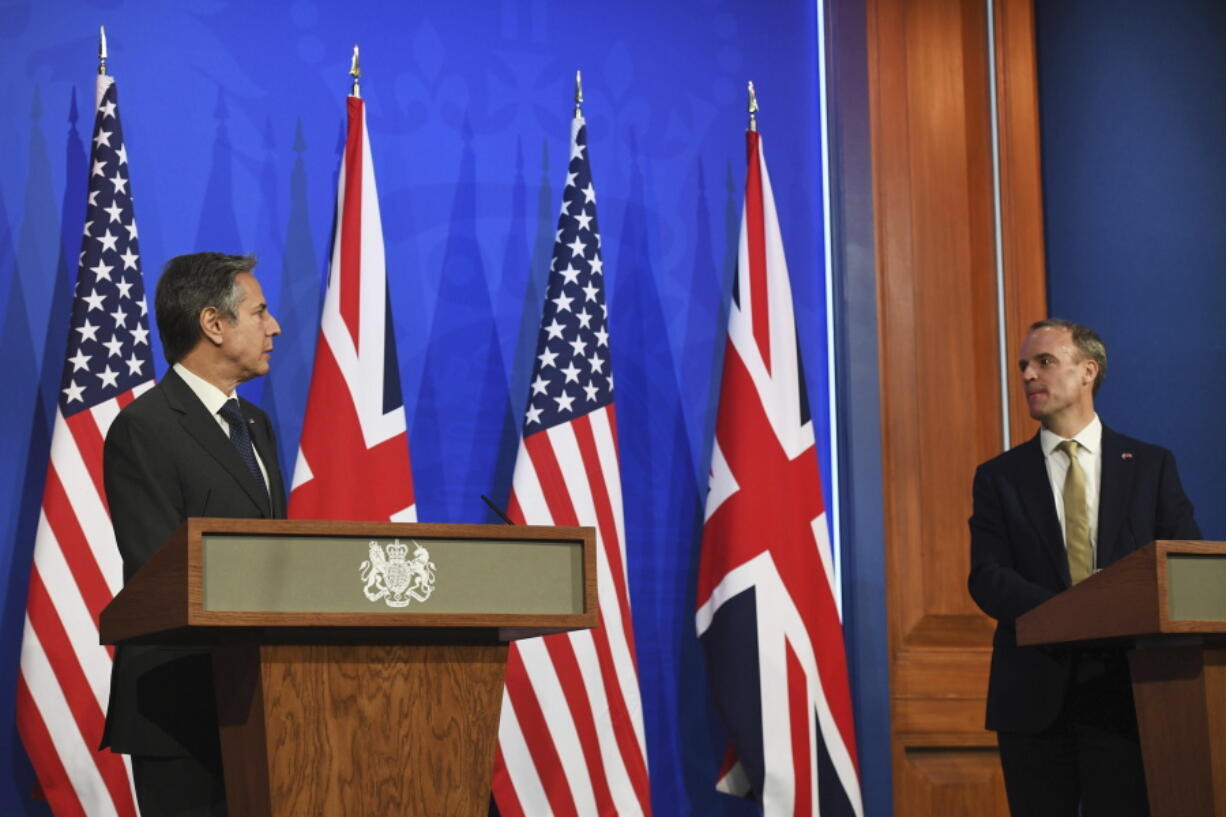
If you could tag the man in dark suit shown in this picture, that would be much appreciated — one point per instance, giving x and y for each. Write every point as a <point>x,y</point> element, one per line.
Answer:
<point>1047,514</point>
<point>187,447</point>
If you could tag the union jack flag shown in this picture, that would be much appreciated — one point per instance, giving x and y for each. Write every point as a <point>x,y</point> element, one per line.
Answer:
<point>64,685</point>
<point>570,741</point>
<point>766,615</point>
<point>353,458</point>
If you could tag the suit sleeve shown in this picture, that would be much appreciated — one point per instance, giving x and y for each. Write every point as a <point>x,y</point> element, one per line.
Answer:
<point>996,584</point>
<point>1175,518</point>
<point>143,491</point>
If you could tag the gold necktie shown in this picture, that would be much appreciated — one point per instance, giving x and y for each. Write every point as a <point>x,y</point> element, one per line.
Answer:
<point>1076,517</point>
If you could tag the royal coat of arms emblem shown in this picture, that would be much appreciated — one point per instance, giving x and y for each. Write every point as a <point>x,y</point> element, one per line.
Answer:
<point>395,578</point>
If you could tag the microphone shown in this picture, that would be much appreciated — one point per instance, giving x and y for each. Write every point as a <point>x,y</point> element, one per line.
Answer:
<point>496,509</point>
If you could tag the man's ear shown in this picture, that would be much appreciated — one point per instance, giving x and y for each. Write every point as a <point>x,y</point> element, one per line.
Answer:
<point>210,324</point>
<point>1091,370</point>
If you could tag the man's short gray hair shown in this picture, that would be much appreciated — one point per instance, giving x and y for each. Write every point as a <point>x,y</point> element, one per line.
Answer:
<point>188,285</point>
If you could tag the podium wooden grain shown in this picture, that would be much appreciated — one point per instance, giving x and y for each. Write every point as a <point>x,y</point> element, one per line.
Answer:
<point>368,722</point>
<point>342,713</point>
<point>1178,666</point>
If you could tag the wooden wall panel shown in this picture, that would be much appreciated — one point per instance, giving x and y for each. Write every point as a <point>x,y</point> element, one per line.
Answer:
<point>930,88</point>
<point>956,781</point>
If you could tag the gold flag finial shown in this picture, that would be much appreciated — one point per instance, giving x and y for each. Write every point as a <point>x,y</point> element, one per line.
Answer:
<point>578,95</point>
<point>101,50</point>
<point>753,107</point>
<point>355,71</point>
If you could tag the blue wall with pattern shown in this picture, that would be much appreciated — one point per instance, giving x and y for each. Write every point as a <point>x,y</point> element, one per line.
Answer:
<point>233,115</point>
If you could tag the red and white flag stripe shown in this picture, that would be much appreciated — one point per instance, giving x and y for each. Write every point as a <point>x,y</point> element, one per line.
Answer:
<point>64,683</point>
<point>65,679</point>
<point>571,740</point>
<point>571,737</point>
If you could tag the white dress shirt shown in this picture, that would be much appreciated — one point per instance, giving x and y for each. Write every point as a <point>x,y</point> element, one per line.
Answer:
<point>213,399</point>
<point>1090,456</point>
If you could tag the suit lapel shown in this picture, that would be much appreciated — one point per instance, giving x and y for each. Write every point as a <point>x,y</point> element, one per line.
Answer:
<point>1037,498</point>
<point>1114,489</point>
<point>268,455</point>
<point>196,421</point>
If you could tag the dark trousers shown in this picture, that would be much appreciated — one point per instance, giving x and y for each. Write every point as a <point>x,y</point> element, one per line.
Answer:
<point>1089,758</point>
<point>179,786</point>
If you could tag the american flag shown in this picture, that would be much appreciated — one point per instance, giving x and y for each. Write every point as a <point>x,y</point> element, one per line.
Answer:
<point>64,685</point>
<point>766,615</point>
<point>570,741</point>
<point>353,458</point>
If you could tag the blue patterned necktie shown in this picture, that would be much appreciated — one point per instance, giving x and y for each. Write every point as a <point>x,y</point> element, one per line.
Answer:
<point>241,438</point>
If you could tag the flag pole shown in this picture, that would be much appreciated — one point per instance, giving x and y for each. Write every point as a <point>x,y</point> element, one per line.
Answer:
<point>74,774</point>
<point>578,95</point>
<point>753,108</point>
<point>341,392</point>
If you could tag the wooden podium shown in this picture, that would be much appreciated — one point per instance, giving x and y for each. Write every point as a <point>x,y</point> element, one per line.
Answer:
<point>358,665</point>
<point>1168,600</point>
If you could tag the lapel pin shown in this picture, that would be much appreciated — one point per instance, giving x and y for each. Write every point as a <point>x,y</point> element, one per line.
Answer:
<point>1127,455</point>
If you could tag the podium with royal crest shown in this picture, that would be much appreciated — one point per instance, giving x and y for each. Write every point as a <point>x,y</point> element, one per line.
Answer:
<point>358,665</point>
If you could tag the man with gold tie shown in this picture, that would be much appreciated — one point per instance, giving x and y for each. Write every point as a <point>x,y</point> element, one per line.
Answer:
<point>1047,514</point>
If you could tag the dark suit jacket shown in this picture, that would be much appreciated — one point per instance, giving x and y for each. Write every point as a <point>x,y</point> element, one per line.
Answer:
<point>165,459</point>
<point>1018,561</point>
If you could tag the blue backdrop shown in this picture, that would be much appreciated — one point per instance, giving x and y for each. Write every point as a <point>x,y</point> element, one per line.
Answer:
<point>233,116</point>
<point>1134,178</point>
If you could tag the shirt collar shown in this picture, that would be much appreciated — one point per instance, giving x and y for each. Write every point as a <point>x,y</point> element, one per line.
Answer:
<point>212,397</point>
<point>1090,438</point>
